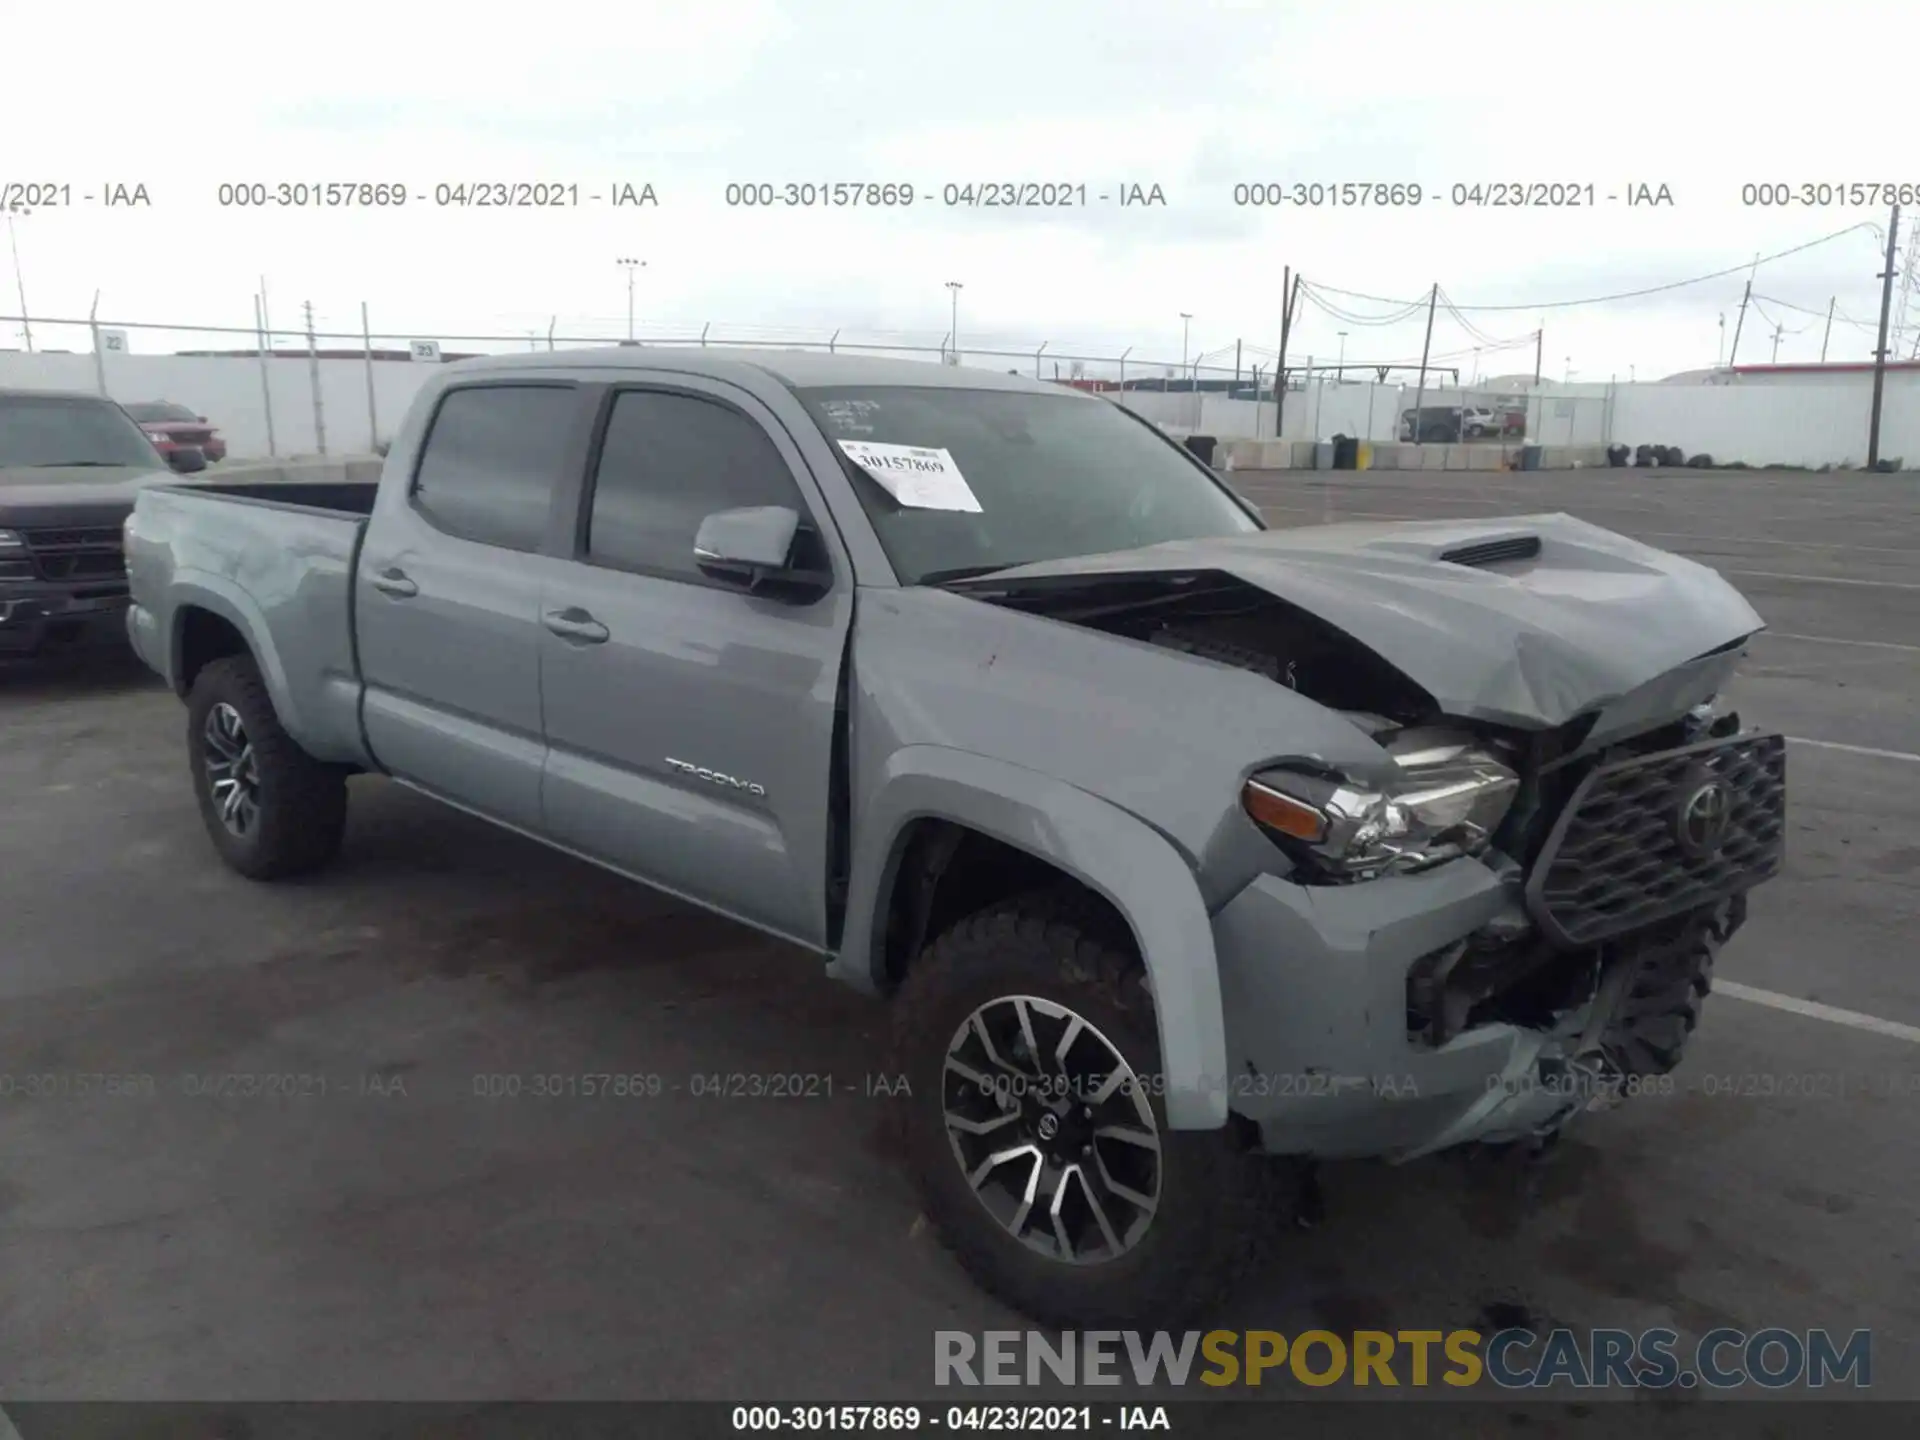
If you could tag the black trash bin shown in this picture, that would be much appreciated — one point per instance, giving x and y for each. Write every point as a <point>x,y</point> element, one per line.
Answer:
<point>1202,447</point>
<point>1346,452</point>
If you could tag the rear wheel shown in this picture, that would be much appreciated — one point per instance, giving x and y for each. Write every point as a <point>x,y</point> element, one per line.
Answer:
<point>270,808</point>
<point>1037,1132</point>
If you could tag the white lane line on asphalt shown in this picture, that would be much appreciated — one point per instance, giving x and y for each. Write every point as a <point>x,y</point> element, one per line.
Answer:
<point>1827,579</point>
<point>7,1432</point>
<point>1836,640</point>
<point>1789,544</point>
<point>1878,754</point>
<point>1814,1010</point>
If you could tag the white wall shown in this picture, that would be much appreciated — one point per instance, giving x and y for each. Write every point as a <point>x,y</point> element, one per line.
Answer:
<point>1780,423</point>
<point>228,392</point>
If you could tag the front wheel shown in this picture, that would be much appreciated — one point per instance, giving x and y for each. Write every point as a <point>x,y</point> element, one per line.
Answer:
<point>1037,1131</point>
<point>270,808</point>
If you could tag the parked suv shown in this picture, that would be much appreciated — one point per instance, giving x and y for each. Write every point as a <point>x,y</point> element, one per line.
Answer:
<point>1177,842</point>
<point>1449,424</point>
<point>70,465</point>
<point>172,426</point>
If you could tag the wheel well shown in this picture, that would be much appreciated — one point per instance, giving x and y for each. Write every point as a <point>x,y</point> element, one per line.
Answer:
<point>948,872</point>
<point>204,638</point>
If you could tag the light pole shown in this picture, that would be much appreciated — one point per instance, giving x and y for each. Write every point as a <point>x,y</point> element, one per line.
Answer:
<point>954,287</point>
<point>1186,329</point>
<point>633,268</point>
<point>1340,370</point>
<point>26,326</point>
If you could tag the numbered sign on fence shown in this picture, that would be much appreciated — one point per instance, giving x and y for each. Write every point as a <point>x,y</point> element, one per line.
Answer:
<point>113,342</point>
<point>427,350</point>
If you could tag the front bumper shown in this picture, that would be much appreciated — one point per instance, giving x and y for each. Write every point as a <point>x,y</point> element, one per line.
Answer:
<point>33,615</point>
<point>1323,1058</point>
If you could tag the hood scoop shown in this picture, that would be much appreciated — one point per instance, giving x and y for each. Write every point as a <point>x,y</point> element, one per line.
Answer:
<point>1494,552</point>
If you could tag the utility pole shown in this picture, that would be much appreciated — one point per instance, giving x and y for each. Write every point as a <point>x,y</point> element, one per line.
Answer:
<point>1778,331</point>
<point>1186,331</point>
<point>1291,284</point>
<point>19,281</point>
<point>1739,321</point>
<point>1236,364</point>
<point>1828,335</point>
<point>632,267</point>
<point>1426,348</point>
<point>1539,339</point>
<point>1880,350</point>
<point>313,374</point>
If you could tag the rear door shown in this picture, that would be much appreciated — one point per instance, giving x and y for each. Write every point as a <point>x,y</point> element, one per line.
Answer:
<point>447,599</point>
<point>689,725</point>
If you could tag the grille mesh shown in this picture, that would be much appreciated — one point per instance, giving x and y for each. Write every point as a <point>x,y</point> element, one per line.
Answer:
<point>1616,862</point>
<point>80,553</point>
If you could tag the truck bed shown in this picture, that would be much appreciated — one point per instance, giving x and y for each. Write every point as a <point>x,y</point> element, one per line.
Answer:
<point>350,497</point>
<point>274,562</point>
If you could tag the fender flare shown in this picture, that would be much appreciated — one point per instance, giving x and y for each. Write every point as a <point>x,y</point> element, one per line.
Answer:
<point>204,590</point>
<point>1104,847</point>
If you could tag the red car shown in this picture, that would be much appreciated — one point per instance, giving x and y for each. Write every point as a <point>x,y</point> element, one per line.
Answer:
<point>174,427</point>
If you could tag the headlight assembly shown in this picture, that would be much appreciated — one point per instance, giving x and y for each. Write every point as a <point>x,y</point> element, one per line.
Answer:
<point>1446,801</point>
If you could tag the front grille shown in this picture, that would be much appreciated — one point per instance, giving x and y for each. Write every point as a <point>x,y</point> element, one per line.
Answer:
<point>82,553</point>
<point>1621,855</point>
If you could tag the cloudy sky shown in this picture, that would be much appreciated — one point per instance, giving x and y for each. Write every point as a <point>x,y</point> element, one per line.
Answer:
<point>1194,96</point>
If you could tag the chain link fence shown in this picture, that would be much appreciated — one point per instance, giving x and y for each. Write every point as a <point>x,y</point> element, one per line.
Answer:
<point>318,387</point>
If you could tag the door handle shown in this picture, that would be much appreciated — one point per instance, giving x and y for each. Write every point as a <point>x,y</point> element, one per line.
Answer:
<point>574,623</point>
<point>392,581</point>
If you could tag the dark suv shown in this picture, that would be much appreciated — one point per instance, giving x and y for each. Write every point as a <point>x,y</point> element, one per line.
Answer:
<point>70,465</point>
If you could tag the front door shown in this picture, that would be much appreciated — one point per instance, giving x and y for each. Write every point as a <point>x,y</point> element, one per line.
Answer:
<point>689,725</point>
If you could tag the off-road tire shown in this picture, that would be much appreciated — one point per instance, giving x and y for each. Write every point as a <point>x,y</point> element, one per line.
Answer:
<point>1662,1006</point>
<point>1217,1199</point>
<point>302,802</point>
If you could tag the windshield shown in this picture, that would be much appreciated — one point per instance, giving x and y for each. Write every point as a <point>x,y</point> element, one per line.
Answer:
<point>1054,476</point>
<point>38,431</point>
<point>160,410</point>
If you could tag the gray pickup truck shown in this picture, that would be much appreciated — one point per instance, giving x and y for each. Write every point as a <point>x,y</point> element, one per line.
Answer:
<point>1178,842</point>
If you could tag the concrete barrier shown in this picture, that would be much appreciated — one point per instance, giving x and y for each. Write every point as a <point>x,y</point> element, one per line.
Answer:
<point>304,468</point>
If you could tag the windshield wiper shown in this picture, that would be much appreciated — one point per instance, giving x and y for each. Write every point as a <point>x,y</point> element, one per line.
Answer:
<point>960,572</point>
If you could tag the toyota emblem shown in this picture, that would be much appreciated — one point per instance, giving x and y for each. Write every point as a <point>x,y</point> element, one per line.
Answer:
<point>1700,821</point>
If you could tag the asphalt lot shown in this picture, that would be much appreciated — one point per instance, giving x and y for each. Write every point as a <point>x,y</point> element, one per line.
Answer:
<point>401,1236</point>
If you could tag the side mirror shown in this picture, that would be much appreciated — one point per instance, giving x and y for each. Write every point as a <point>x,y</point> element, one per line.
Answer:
<point>187,460</point>
<point>759,548</point>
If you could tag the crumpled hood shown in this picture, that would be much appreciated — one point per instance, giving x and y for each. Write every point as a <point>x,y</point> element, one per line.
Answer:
<point>1530,642</point>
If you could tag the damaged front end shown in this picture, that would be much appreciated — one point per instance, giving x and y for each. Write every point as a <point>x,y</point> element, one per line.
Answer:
<point>1508,912</point>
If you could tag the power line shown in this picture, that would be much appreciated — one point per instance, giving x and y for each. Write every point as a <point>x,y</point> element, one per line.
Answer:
<point>1816,314</point>
<point>1745,265</point>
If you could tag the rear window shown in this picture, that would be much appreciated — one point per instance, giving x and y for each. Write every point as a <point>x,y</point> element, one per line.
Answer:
<point>491,459</point>
<point>158,411</point>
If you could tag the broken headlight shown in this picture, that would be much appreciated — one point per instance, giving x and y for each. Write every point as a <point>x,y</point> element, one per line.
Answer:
<point>1448,798</point>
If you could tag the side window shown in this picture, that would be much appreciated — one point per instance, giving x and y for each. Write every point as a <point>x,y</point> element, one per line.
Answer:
<point>488,470</point>
<point>669,461</point>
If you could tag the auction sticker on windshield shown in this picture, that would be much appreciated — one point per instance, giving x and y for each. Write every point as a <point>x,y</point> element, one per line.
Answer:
<point>917,477</point>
